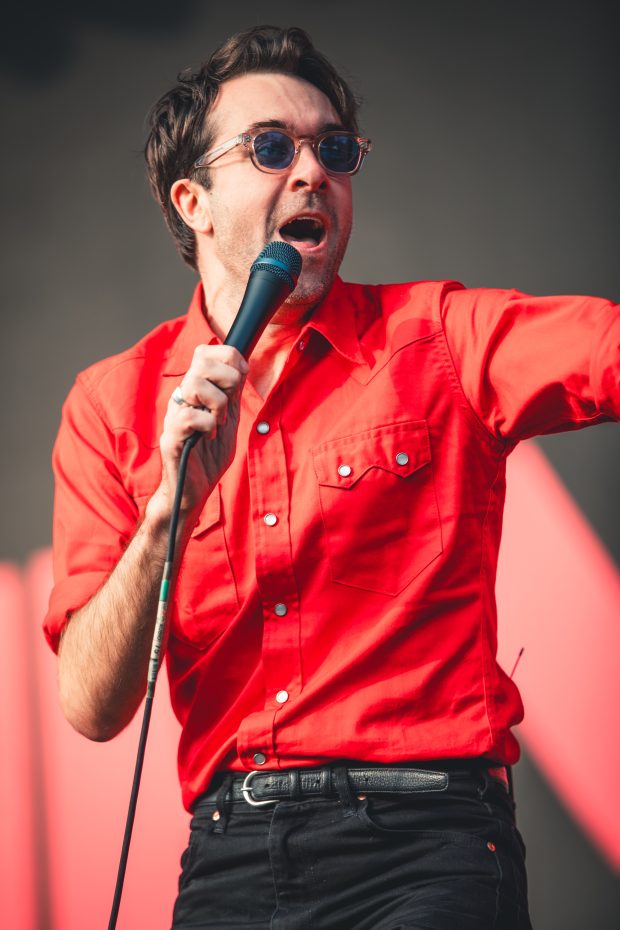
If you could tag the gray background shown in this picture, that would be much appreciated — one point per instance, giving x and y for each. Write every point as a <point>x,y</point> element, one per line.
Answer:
<point>496,162</point>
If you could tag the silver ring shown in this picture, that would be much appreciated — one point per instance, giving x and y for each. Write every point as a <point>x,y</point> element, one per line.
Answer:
<point>178,397</point>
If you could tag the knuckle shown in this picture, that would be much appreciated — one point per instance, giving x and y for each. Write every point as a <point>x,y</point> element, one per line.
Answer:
<point>201,351</point>
<point>237,377</point>
<point>232,357</point>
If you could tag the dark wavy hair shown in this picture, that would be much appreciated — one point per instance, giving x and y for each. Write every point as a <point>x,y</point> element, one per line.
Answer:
<point>179,132</point>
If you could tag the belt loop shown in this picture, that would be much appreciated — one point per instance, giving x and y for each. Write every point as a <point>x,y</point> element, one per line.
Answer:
<point>294,784</point>
<point>485,781</point>
<point>511,786</point>
<point>221,806</point>
<point>341,780</point>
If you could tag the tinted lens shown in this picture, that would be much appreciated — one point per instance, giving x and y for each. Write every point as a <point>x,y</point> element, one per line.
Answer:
<point>274,149</point>
<point>339,153</point>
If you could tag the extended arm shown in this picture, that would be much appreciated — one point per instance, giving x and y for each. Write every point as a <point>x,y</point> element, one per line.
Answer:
<point>534,365</point>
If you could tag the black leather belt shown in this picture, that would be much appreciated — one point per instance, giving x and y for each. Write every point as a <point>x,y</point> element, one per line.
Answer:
<point>260,788</point>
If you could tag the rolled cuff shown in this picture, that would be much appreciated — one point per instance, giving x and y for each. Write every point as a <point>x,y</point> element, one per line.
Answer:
<point>68,596</point>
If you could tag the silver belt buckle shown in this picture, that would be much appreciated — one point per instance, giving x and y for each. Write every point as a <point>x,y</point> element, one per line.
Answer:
<point>246,791</point>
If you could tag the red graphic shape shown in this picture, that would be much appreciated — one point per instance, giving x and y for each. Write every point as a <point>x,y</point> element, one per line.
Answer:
<point>18,864</point>
<point>559,597</point>
<point>87,789</point>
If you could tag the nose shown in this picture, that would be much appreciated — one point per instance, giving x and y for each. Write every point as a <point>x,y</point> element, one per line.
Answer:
<point>307,172</point>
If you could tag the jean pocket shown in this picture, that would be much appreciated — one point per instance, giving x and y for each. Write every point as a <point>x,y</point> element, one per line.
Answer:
<point>379,506</point>
<point>425,817</point>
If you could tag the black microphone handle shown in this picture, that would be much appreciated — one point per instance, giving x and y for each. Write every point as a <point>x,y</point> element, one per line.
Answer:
<point>264,290</point>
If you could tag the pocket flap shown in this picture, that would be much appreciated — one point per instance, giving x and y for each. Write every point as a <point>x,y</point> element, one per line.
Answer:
<point>400,448</point>
<point>209,515</point>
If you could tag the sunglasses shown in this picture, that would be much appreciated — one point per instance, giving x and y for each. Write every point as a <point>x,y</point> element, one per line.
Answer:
<point>274,150</point>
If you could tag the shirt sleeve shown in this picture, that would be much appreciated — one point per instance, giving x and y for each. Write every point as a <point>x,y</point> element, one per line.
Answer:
<point>534,365</point>
<point>94,516</point>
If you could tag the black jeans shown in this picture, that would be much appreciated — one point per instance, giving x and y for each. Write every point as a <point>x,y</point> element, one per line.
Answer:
<point>426,861</point>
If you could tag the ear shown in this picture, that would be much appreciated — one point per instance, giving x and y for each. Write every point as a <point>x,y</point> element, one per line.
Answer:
<point>191,202</point>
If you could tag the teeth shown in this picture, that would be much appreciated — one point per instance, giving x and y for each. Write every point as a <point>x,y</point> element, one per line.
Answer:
<point>317,224</point>
<point>303,228</point>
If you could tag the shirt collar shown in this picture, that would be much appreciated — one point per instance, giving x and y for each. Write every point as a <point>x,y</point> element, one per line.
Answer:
<point>196,331</point>
<point>334,319</point>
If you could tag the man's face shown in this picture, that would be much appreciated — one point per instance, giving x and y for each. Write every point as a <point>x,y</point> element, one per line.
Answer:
<point>250,208</point>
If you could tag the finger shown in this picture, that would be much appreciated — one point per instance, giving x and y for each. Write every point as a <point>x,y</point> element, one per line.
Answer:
<point>179,425</point>
<point>208,396</point>
<point>227,355</point>
<point>202,394</point>
<point>197,380</point>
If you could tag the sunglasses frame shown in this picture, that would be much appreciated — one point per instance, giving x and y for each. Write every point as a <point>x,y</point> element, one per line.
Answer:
<point>247,139</point>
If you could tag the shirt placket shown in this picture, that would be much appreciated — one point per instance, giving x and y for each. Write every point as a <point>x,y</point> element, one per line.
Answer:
<point>277,586</point>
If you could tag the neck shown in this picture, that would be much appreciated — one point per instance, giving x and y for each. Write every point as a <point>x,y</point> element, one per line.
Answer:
<point>271,352</point>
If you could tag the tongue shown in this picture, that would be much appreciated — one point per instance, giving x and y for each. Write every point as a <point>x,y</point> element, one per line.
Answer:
<point>290,237</point>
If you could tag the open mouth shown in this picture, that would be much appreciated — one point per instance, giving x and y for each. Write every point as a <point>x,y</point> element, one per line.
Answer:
<point>303,230</point>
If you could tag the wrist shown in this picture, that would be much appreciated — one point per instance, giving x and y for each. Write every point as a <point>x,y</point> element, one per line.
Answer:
<point>158,512</point>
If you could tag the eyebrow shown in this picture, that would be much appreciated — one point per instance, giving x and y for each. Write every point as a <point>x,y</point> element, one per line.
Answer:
<point>279,124</point>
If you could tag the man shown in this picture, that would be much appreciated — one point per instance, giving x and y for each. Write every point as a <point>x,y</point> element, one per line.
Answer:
<point>331,653</point>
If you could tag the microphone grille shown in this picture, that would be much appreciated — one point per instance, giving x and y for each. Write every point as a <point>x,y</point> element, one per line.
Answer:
<point>281,259</point>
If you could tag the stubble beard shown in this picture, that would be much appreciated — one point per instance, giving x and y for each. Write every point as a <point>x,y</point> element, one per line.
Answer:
<point>315,281</point>
<point>317,275</point>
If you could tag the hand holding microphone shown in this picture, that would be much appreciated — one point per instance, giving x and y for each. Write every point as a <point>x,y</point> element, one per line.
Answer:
<point>207,403</point>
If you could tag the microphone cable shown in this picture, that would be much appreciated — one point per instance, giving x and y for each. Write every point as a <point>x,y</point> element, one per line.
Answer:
<point>154,663</point>
<point>272,277</point>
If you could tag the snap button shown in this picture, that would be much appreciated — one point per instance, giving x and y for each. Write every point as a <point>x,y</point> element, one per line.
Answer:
<point>282,697</point>
<point>280,610</point>
<point>262,427</point>
<point>259,758</point>
<point>270,519</point>
<point>402,458</point>
<point>344,471</point>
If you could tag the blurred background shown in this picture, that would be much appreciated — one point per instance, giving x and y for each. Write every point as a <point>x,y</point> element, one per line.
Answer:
<point>495,162</point>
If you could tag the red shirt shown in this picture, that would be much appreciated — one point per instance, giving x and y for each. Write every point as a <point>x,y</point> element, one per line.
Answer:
<point>336,599</point>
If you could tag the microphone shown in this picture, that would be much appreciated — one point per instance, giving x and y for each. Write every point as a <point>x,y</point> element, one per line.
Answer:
<point>273,276</point>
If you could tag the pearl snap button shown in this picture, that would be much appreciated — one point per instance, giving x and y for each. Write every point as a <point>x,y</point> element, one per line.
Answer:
<point>282,697</point>
<point>402,458</point>
<point>262,427</point>
<point>270,519</point>
<point>344,471</point>
<point>259,758</point>
<point>280,610</point>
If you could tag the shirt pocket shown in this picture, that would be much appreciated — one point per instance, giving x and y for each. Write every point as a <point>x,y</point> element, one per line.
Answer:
<point>379,505</point>
<point>205,595</point>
